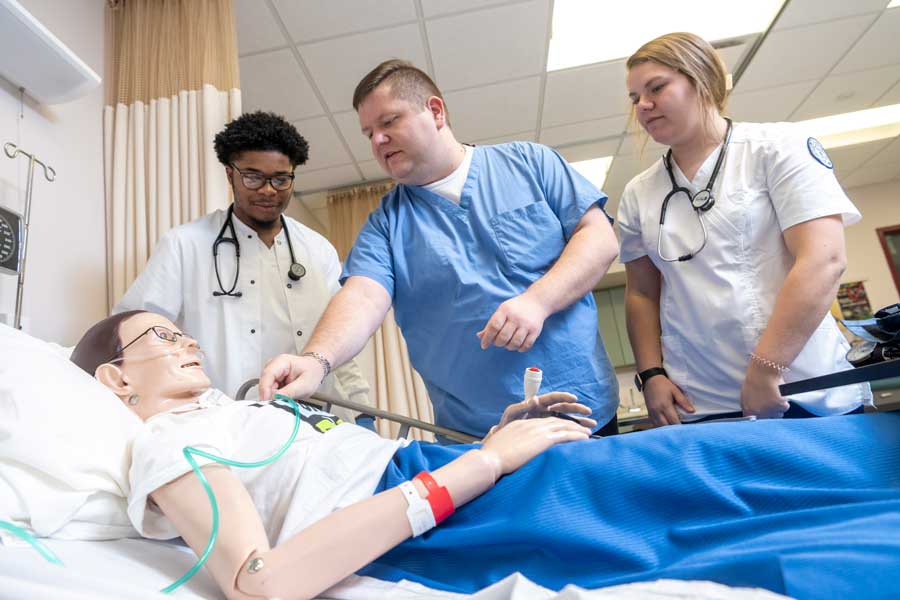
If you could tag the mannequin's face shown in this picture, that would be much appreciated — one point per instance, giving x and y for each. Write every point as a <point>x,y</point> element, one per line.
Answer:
<point>162,373</point>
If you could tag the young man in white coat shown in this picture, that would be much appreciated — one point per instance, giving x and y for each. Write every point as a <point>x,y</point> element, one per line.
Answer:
<point>248,282</point>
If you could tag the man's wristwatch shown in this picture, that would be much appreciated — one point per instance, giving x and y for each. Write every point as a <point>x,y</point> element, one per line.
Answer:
<point>641,379</point>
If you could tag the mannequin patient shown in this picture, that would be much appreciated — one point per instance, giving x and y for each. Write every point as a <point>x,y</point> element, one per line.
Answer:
<point>536,496</point>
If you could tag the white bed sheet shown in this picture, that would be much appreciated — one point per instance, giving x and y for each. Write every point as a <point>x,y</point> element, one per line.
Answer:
<point>135,569</point>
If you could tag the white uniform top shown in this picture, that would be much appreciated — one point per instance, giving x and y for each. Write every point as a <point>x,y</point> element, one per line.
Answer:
<point>329,465</point>
<point>274,315</point>
<point>714,307</point>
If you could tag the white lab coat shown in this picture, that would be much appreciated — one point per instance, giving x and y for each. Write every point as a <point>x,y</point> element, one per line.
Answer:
<point>179,280</point>
<point>714,307</point>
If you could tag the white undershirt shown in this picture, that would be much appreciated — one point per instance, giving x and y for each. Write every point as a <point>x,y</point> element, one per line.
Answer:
<point>450,187</point>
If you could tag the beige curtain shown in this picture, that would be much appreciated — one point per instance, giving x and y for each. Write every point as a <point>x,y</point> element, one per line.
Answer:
<point>172,84</point>
<point>397,387</point>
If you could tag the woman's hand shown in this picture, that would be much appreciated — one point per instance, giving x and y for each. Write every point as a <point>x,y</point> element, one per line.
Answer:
<point>543,406</point>
<point>662,397</point>
<point>760,395</point>
<point>520,441</point>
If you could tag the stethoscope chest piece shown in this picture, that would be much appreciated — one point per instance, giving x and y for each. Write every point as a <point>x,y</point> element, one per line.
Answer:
<point>703,200</point>
<point>296,272</point>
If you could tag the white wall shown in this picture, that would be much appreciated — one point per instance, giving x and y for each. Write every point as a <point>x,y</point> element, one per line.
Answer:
<point>880,207</point>
<point>65,286</point>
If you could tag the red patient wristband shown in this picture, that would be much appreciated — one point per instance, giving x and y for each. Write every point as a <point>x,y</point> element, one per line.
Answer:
<point>438,497</point>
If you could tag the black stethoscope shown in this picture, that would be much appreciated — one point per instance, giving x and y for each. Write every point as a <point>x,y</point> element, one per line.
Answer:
<point>702,201</point>
<point>294,273</point>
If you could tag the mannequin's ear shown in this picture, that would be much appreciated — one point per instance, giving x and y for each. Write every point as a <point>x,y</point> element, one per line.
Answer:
<point>112,377</point>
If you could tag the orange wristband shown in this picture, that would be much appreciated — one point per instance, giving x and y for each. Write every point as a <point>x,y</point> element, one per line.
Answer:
<point>438,497</point>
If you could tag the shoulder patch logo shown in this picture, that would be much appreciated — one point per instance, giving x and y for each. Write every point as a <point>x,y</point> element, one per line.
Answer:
<point>818,152</point>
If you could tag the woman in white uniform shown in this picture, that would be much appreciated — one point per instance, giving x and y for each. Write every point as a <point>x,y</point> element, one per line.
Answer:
<point>733,247</point>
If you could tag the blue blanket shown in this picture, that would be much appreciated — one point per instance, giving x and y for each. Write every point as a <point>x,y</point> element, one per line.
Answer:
<point>809,508</point>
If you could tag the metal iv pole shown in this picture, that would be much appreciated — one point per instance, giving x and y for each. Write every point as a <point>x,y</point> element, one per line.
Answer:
<point>12,151</point>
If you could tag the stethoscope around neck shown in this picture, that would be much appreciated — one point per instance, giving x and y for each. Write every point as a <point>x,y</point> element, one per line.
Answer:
<point>295,273</point>
<point>701,201</point>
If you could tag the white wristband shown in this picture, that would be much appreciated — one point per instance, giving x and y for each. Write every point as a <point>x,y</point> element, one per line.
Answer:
<point>419,513</point>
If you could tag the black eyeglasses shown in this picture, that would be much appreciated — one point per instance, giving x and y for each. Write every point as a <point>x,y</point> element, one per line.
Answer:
<point>163,333</point>
<point>255,181</point>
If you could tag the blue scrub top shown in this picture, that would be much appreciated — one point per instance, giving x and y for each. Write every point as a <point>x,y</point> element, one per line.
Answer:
<point>448,267</point>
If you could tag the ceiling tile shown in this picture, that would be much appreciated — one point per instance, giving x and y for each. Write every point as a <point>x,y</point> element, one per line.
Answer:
<point>325,147</point>
<point>732,54</point>
<point>494,110</point>
<point>803,53</point>
<point>807,12</point>
<point>523,136</point>
<point>769,105</point>
<point>348,123</point>
<point>308,20</point>
<point>433,8</point>
<point>848,92</point>
<point>500,43</point>
<point>877,48</point>
<point>889,155</point>
<point>372,171</point>
<point>847,159</point>
<point>580,152</point>
<point>329,178</point>
<point>585,93</point>
<point>256,27</point>
<point>337,65</point>
<point>891,97</point>
<point>869,174</point>
<point>595,129</point>
<point>273,81</point>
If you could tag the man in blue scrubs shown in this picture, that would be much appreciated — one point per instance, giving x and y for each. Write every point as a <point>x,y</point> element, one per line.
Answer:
<point>488,255</point>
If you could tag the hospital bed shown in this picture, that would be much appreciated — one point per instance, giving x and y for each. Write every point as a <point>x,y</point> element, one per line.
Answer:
<point>136,568</point>
<point>406,423</point>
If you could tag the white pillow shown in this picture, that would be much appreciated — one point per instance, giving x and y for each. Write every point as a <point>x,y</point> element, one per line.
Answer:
<point>65,444</point>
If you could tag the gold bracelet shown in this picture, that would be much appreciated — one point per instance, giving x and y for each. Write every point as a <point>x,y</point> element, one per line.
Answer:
<point>769,363</point>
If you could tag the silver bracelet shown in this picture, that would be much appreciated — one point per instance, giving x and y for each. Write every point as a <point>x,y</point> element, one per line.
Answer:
<point>769,363</point>
<point>324,362</point>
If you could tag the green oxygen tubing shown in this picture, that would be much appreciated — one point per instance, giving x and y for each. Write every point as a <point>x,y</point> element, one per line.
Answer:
<point>189,453</point>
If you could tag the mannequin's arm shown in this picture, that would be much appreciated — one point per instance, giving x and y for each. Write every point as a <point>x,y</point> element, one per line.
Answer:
<point>321,555</point>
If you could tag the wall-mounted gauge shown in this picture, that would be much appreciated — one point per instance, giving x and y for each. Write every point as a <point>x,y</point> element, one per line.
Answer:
<point>10,241</point>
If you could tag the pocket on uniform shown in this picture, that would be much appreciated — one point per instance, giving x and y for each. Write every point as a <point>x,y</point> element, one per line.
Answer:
<point>530,238</point>
<point>728,217</point>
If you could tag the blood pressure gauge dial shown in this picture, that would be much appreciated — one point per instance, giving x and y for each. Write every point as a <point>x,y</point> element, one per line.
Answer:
<point>9,242</point>
<point>861,353</point>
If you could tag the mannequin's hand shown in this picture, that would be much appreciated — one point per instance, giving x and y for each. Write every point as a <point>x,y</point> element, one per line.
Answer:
<point>760,395</point>
<point>515,325</point>
<point>520,441</point>
<point>541,406</point>
<point>295,376</point>
<point>662,396</point>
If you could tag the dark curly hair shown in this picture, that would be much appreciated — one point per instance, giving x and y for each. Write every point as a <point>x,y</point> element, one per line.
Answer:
<point>261,131</point>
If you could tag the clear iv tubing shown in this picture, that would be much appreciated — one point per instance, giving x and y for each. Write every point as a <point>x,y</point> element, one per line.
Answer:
<point>188,451</point>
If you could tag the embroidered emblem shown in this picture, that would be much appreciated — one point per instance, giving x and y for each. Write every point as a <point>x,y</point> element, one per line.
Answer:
<point>818,152</point>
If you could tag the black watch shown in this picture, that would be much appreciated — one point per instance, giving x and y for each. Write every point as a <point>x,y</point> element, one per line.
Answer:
<point>641,379</point>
